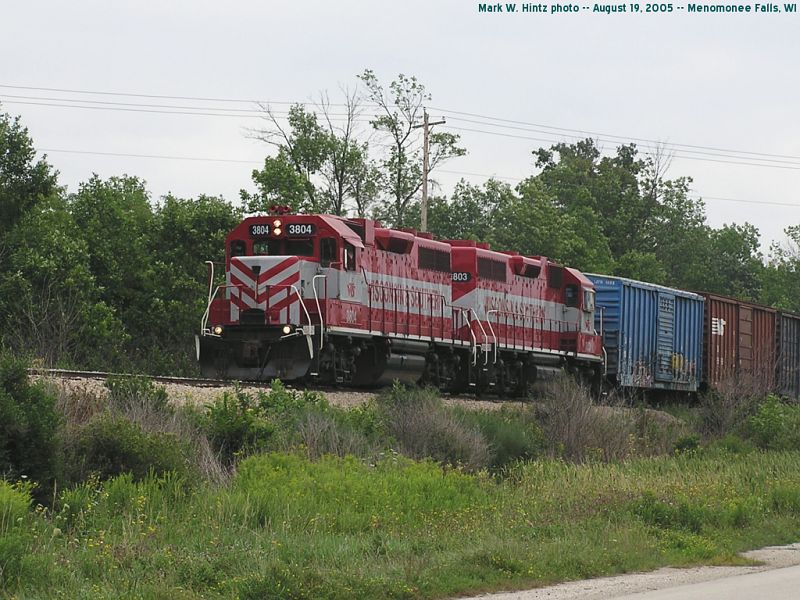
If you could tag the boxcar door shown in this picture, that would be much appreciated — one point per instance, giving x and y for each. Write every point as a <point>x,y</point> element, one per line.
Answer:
<point>665,340</point>
<point>745,339</point>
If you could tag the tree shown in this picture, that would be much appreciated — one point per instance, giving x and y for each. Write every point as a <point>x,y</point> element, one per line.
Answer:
<point>24,181</point>
<point>186,233</point>
<point>681,237</point>
<point>287,177</point>
<point>474,206</point>
<point>400,112</point>
<point>117,222</point>
<point>782,273</point>
<point>580,179</point>
<point>321,166</point>
<point>534,223</point>
<point>349,173</point>
<point>736,264</point>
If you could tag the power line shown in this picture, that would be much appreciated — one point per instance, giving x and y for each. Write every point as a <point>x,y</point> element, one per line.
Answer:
<point>495,133</point>
<point>246,111</point>
<point>609,135</point>
<point>655,148</point>
<point>158,96</point>
<point>243,161</point>
<point>580,132</point>
<point>156,111</point>
<point>136,110</point>
<point>730,162</point>
<point>764,202</point>
<point>156,156</point>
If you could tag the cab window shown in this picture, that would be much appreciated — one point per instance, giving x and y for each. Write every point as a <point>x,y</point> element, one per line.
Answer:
<point>283,248</point>
<point>238,248</point>
<point>327,251</point>
<point>349,257</point>
<point>266,247</point>
<point>299,248</point>
<point>571,295</point>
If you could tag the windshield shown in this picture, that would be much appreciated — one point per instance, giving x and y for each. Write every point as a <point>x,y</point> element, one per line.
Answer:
<point>294,247</point>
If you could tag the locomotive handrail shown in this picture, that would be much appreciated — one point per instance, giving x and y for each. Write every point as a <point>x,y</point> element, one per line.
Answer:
<point>301,299</point>
<point>471,334</point>
<point>206,314</point>
<point>319,309</point>
<point>489,323</point>
<point>395,291</point>
<point>483,331</point>
<point>210,264</point>
<point>564,326</point>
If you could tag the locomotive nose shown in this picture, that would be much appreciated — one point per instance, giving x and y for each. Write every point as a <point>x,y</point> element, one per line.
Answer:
<point>265,289</point>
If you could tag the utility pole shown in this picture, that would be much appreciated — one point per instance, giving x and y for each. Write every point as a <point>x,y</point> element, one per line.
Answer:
<point>426,127</point>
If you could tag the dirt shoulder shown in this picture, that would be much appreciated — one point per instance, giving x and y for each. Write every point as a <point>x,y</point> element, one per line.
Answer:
<point>773,557</point>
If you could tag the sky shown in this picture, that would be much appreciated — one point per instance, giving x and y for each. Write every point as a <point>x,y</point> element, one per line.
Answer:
<point>719,90</point>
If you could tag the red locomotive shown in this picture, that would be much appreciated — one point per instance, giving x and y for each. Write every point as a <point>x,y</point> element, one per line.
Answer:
<point>338,300</point>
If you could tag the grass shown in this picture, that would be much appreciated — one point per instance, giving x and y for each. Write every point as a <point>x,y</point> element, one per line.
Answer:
<point>289,527</point>
<point>282,495</point>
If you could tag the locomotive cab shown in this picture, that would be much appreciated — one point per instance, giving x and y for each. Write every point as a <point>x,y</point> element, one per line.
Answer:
<point>266,320</point>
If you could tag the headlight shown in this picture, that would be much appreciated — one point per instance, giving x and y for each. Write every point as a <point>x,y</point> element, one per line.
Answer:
<point>287,329</point>
<point>276,223</point>
<point>218,330</point>
<point>276,231</point>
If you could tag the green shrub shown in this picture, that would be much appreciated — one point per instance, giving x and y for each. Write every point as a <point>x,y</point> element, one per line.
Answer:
<point>785,499</point>
<point>128,392</point>
<point>238,423</point>
<point>110,445</point>
<point>680,515</point>
<point>513,434</point>
<point>734,444</point>
<point>348,496</point>
<point>235,424</point>
<point>775,425</point>
<point>29,426</point>
<point>14,504</point>
<point>687,443</point>
<point>425,428</point>
<point>14,537</point>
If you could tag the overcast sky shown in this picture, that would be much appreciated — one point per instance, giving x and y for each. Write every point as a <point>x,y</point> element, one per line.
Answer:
<point>719,81</point>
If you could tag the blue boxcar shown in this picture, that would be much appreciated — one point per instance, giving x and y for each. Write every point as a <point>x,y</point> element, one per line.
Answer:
<point>653,335</point>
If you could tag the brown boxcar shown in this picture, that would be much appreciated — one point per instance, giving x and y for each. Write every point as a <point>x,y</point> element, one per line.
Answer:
<point>788,357</point>
<point>738,344</point>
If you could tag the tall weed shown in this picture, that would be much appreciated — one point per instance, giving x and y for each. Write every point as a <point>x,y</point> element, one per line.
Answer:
<point>424,428</point>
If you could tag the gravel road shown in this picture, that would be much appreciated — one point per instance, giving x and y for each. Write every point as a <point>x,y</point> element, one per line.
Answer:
<point>620,586</point>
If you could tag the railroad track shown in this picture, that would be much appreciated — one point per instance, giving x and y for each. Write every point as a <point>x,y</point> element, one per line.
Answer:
<point>192,381</point>
<point>334,394</point>
<point>102,375</point>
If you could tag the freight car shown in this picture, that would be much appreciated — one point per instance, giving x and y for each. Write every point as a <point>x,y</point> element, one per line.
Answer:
<point>663,339</point>
<point>740,348</point>
<point>652,334</point>
<point>787,373</point>
<point>337,300</point>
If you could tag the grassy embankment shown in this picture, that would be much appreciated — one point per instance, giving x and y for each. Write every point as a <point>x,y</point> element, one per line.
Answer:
<point>293,521</point>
